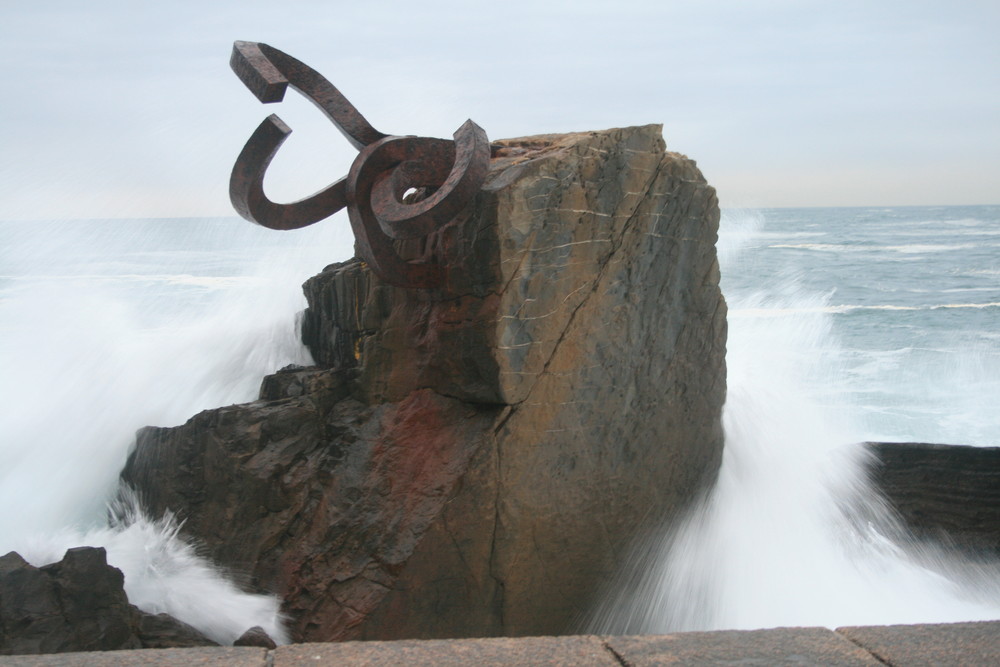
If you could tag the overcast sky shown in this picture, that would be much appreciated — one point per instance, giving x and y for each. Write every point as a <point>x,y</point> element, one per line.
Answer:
<point>129,109</point>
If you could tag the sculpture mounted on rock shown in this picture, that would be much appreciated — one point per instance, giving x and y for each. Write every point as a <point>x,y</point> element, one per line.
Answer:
<point>386,168</point>
<point>474,459</point>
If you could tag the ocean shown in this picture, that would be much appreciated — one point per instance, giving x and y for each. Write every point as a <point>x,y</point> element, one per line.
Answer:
<point>908,303</point>
<point>846,325</point>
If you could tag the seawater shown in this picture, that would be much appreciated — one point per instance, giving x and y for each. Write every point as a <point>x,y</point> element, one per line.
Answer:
<point>904,305</point>
<point>110,325</point>
<point>846,325</point>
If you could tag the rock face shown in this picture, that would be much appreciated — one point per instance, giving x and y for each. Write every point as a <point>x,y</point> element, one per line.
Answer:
<point>944,493</point>
<point>78,604</point>
<point>473,460</point>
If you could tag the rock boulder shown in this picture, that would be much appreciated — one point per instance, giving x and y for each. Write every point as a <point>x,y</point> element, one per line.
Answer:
<point>78,604</point>
<point>473,460</point>
<point>948,494</point>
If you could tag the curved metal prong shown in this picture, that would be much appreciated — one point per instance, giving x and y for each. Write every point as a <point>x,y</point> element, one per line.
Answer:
<point>371,243</point>
<point>373,191</point>
<point>257,72</point>
<point>380,175</point>
<point>266,71</point>
<point>246,184</point>
<point>469,159</point>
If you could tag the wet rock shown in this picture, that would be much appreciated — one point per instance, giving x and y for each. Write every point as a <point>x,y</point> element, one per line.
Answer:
<point>948,494</point>
<point>256,636</point>
<point>78,604</point>
<point>321,499</point>
<point>165,631</point>
<point>474,460</point>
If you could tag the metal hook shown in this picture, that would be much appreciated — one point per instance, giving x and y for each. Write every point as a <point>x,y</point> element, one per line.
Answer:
<point>384,170</point>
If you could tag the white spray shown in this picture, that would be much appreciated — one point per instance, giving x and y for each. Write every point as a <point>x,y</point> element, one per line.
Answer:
<point>791,535</point>
<point>91,351</point>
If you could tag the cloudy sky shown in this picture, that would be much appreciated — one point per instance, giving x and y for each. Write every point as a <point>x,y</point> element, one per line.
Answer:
<point>125,108</point>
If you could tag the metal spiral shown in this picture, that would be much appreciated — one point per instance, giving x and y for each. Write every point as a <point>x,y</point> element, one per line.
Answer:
<point>373,191</point>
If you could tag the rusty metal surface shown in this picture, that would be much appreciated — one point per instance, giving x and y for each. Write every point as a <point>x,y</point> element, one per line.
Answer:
<point>386,168</point>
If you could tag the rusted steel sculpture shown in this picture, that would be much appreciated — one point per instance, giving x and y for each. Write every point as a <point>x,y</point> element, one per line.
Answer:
<point>385,169</point>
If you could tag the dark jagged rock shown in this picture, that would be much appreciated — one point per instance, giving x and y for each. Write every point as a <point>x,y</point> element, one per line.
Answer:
<point>78,604</point>
<point>948,494</point>
<point>322,499</point>
<point>165,631</point>
<point>473,460</point>
<point>256,636</point>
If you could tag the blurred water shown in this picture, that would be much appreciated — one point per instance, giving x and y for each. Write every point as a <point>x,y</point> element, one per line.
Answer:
<point>845,325</point>
<point>108,326</point>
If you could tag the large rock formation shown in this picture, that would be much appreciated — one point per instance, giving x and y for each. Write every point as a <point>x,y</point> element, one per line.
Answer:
<point>78,604</point>
<point>473,460</point>
<point>949,494</point>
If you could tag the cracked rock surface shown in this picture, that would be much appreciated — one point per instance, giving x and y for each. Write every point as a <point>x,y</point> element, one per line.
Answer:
<point>475,460</point>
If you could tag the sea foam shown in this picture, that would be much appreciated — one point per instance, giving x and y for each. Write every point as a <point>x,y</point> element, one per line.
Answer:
<point>108,327</point>
<point>792,534</point>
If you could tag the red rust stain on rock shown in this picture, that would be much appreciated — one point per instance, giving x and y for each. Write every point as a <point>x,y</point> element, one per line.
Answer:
<point>419,453</point>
